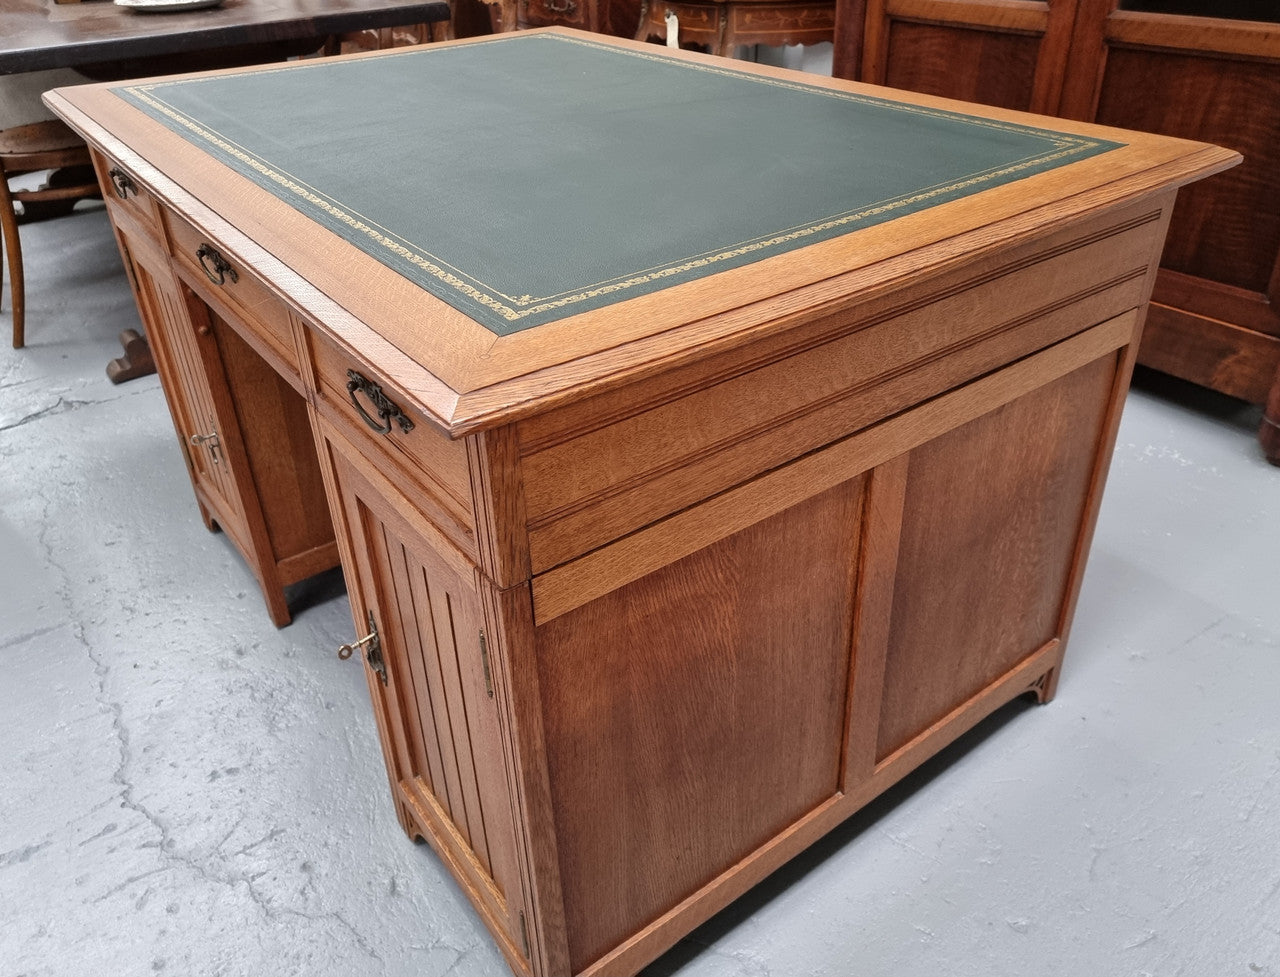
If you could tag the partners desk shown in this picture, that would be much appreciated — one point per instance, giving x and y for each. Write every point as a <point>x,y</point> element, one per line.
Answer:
<point>707,445</point>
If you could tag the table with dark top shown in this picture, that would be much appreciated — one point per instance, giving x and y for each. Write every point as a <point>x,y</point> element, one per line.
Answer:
<point>105,41</point>
<point>104,38</point>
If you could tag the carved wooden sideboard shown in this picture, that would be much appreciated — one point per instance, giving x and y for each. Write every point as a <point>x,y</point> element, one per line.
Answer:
<point>655,592</point>
<point>1189,68</point>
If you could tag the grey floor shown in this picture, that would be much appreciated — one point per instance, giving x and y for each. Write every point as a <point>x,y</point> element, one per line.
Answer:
<point>184,789</point>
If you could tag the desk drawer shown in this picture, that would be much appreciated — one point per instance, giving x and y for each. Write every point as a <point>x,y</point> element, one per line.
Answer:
<point>542,13</point>
<point>125,193</point>
<point>382,422</point>
<point>601,469</point>
<point>219,276</point>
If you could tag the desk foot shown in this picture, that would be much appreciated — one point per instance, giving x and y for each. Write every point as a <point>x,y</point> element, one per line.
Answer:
<point>136,362</point>
<point>1269,438</point>
<point>209,522</point>
<point>1269,429</point>
<point>1045,687</point>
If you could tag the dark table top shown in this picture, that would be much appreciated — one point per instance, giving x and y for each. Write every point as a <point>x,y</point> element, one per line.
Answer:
<point>39,34</point>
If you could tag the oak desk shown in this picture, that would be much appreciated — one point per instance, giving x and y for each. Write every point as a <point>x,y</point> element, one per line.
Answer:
<point>726,444</point>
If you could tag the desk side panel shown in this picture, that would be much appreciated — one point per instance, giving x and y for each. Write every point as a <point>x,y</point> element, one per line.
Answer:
<point>991,517</point>
<point>694,714</point>
<point>598,470</point>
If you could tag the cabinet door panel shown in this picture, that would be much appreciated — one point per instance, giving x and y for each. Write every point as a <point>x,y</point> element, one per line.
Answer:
<point>437,708</point>
<point>244,430</point>
<point>172,336</point>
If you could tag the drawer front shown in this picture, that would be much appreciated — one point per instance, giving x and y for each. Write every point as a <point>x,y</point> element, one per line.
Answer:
<point>125,194</point>
<point>603,469</point>
<point>380,419</point>
<point>219,276</point>
<point>700,19</point>
<point>543,13</point>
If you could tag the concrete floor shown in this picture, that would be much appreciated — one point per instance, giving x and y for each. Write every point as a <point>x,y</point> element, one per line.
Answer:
<point>184,789</point>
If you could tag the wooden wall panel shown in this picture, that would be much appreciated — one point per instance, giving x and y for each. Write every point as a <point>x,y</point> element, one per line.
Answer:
<point>1227,228</point>
<point>694,714</point>
<point>957,62</point>
<point>991,517</point>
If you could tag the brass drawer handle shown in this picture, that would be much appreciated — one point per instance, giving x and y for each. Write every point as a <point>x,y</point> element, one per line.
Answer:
<point>123,183</point>
<point>562,6</point>
<point>221,269</point>
<point>387,410</point>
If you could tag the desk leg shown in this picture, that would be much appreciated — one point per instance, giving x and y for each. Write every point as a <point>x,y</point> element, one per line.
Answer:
<point>136,362</point>
<point>1269,429</point>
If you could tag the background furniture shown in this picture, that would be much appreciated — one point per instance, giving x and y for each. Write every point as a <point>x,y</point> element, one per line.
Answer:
<point>723,25</point>
<point>29,149</point>
<point>106,41</point>
<point>1201,70</point>
<point>615,17</point>
<point>659,576</point>
<point>102,39</point>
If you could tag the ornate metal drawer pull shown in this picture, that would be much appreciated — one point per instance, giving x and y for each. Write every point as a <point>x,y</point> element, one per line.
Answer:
<point>221,269</point>
<point>562,6</point>
<point>372,646</point>
<point>123,183</point>
<point>387,410</point>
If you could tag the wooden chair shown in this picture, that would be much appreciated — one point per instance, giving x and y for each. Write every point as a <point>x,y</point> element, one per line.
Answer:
<point>29,149</point>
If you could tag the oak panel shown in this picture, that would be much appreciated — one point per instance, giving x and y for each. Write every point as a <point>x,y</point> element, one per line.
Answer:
<point>441,714</point>
<point>600,483</point>
<point>281,457</point>
<point>693,714</point>
<point>990,521</point>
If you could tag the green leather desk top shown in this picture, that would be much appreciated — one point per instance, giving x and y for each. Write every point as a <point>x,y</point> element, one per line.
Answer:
<point>532,177</point>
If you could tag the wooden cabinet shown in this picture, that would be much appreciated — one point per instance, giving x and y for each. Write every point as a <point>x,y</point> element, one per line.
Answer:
<point>616,17</point>
<point>430,677</point>
<point>240,419</point>
<point>653,595</point>
<point>1187,68</point>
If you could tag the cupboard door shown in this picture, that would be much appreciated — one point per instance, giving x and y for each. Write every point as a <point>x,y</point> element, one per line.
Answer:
<point>1010,53</point>
<point>432,685</point>
<point>172,336</point>
<point>245,432</point>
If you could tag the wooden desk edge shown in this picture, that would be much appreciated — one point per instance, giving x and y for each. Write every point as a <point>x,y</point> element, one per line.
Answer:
<point>461,409</point>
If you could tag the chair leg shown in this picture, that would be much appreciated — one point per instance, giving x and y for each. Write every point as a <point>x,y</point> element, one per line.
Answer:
<point>13,248</point>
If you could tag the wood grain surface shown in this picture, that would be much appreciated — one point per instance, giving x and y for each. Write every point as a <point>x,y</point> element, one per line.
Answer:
<point>665,591</point>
